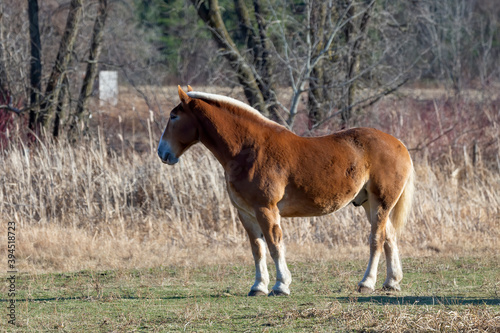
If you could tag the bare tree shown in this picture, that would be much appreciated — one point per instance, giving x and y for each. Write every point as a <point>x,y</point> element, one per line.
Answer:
<point>3,72</point>
<point>318,49</point>
<point>92,65</point>
<point>253,73</point>
<point>351,37</point>
<point>35,63</point>
<point>463,38</point>
<point>316,94</point>
<point>52,99</point>
<point>48,86</point>
<point>354,37</point>
<point>335,63</point>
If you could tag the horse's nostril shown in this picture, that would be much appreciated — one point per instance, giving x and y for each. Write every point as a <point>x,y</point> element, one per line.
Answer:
<point>167,158</point>
<point>163,156</point>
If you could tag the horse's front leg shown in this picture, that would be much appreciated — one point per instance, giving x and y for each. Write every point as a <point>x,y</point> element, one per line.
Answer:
<point>258,244</point>
<point>269,221</point>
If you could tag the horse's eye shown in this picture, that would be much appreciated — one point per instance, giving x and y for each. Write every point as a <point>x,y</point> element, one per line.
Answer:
<point>173,116</point>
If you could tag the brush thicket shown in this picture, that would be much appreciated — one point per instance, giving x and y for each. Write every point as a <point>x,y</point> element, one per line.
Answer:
<point>89,205</point>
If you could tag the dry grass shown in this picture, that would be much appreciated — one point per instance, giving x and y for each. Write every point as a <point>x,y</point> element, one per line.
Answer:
<point>392,318</point>
<point>101,204</point>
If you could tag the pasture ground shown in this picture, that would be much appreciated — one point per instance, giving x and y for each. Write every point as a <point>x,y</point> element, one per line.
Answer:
<point>439,294</point>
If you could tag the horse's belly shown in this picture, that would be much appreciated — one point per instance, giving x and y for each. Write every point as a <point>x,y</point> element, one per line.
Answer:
<point>294,207</point>
<point>321,200</point>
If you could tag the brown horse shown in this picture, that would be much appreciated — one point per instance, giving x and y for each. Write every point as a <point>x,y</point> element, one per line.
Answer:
<point>271,173</point>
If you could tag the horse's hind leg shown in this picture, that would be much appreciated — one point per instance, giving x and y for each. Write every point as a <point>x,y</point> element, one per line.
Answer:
<point>378,217</point>
<point>258,244</point>
<point>269,220</point>
<point>394,270</point>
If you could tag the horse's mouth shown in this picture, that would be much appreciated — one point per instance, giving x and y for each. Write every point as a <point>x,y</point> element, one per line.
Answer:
<point>170,160</point>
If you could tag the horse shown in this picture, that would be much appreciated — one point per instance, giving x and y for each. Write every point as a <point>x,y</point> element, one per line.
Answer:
<point>270,173</point>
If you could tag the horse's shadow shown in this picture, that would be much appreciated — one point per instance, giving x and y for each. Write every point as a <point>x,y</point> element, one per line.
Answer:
<point>419,300</point>
<point>375,299</point>
<point>110,298</point>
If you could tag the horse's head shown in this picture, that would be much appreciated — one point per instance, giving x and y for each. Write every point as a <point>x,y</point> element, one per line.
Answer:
<point>181,131</point>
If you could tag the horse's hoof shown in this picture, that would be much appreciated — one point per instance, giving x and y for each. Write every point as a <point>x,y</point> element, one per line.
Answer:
<point>393,288</point>
<point>365,290</point>
<point>256,293</point>
<point>277,293</point>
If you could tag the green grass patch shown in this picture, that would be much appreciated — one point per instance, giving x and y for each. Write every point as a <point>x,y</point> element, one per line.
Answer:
<point>446,294</point>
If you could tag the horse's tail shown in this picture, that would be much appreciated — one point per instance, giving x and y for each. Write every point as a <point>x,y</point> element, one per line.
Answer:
<point>401,211</point>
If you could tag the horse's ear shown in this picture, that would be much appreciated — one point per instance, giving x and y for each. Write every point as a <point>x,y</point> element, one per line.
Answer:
<point>189,88</point>
<point>182,95</point>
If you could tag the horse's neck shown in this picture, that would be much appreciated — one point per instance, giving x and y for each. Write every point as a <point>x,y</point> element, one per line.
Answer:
<point>225,134</point>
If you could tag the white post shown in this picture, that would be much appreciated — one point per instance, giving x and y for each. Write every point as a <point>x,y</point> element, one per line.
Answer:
<point>108,87</point>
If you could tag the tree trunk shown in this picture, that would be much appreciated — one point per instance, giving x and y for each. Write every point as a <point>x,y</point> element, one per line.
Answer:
<point>35,65</point>
<point>64,56</point>
<point>92,66</point>
<point>316,95</point>
<point>353,58</point>
<point>3,65</point>
<point>260,50</point>
<point>245,24</point>
<point>263,61</point>
<point>60,106</point>
<point>212,17</point>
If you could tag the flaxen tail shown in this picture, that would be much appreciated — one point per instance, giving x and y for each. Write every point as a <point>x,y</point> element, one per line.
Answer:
<point>401,211</point>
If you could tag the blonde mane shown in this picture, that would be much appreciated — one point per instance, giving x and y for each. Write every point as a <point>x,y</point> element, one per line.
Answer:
<point>232,102</point>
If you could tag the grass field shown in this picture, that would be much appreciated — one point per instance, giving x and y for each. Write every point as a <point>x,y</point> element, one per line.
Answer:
<point>439,294</point>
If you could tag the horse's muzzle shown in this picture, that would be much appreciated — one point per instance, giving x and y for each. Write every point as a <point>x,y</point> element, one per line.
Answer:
<point>165,154</point>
